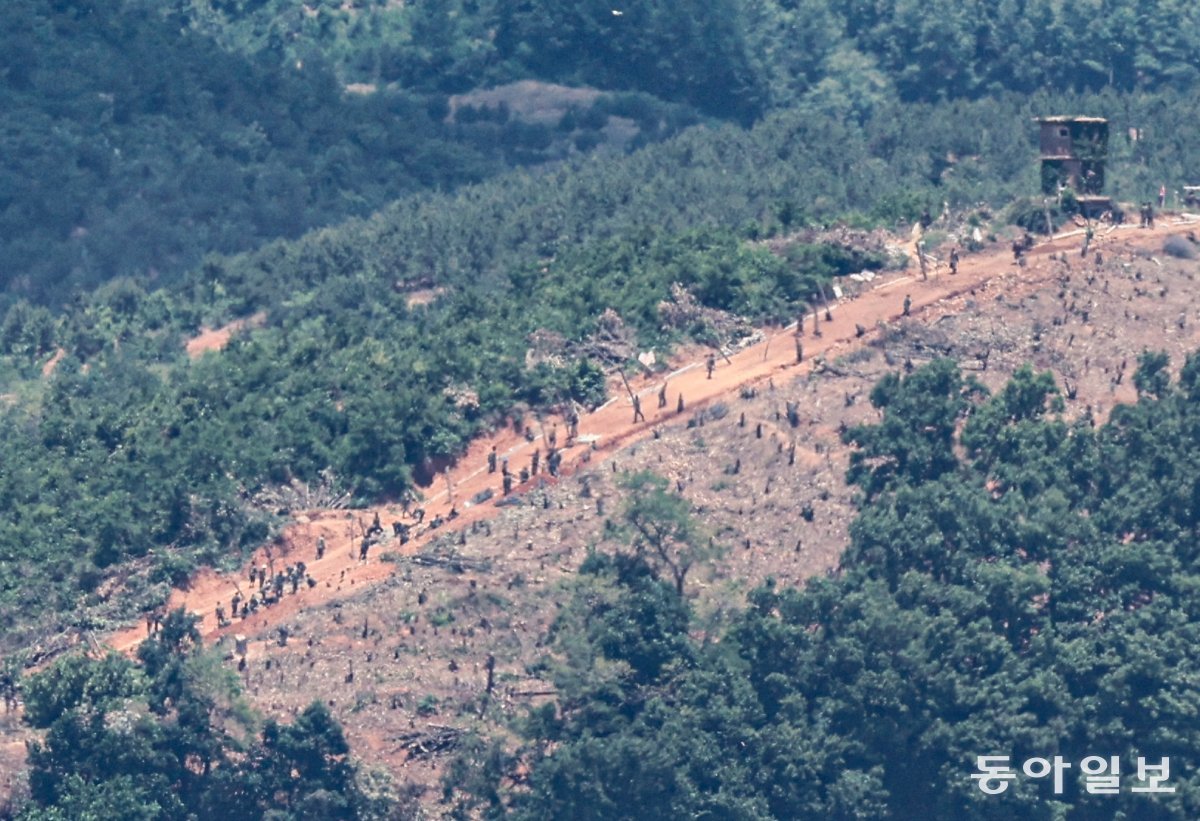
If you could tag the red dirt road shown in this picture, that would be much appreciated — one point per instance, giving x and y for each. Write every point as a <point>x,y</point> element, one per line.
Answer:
<point>611,427</point>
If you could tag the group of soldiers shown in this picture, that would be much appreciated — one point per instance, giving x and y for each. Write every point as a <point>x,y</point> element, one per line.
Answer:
<point>271,589</point>
<point>553,457</point>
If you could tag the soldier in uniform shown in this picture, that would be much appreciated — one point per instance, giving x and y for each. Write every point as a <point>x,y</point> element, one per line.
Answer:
<point>221,620</point>
<point>638,416</point>
<point>710,363</point>
<point>907,304</point>
<point>954,260</point>
<point>536,462</point>
<point>491,460</point>
<point>320,547</point>
<point>662,396</point>
<point>507,483</point>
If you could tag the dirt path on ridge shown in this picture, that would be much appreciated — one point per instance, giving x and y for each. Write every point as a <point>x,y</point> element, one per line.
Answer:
<point>611,427</point>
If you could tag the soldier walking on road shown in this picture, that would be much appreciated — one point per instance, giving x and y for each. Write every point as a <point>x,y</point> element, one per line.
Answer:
<point>799,351</point>
<point>491,460</point>
<point>907,304</point>
<point>679,406</point>
<point>507,483</point>
<point>710,363</point>
<point>954,260</point>
<point>537,462</point>
<point>638,416</point>
<point>662,396</point>
<point>320,547</point>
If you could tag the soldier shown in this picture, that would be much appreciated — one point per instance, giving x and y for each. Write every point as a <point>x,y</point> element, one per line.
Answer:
<point>679,405</point>
<point>236,602</point>
<point>221,621</point>
<point>363,547</point>
<point>710,363</point>
<point>662,396</point>
<point>453,513</point>
<point>278,585</point>
<point>253,574</point>
<point>523,476</point>
<point>638,416</point>
<point>491,460</point>
<point>1087,240</point>
<point>403,534</point>
<point>419,513</point>
<point>320,547</point>
<point>907,304</point>
<point>800,324</point>
<point>1018,248</point>
<point>921,259</point>
<point>535,463</point>
<point>553,461</point>
<point>295,579</point>
<point>504,466</point>
<point>954,260</point>
<point>552,439</point>
<point>799,351</point>
<point>507,484</point>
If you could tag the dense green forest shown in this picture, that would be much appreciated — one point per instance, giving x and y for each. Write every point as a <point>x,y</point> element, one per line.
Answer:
<point>168,736</point>
<point>139,135</point>
<point>135,144</point>
<point>731,58</point>
<point>1016,584</point>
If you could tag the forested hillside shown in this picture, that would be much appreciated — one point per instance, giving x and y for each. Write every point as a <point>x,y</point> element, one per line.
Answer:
<point>129,451</point>
<point>1016,585</point>
<point>733,58</point>
<point>134,144</point>
<point>1015,582</point>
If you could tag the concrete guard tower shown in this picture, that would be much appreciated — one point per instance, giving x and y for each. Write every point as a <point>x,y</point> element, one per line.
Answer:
<point>1073,151</point>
